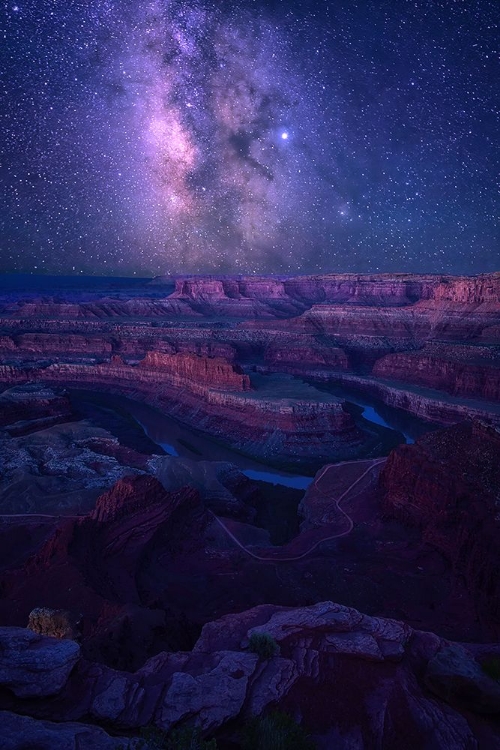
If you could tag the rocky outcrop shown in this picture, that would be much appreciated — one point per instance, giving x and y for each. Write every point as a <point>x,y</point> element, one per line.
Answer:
<point>406,326</point>
<point>397,289</point>
<point>185,369</point>
<point>32,665</point>
<point>49,344</point>
<point>447,485</point>
<point>30,407</point>
<point>457,369</point>
<point>456,677</point>
<point>93,565</point>
<point>60,469</point>
<point>428,404</point>
<point>484,288</point>
<point>292,353</point>
<point>333,660</point>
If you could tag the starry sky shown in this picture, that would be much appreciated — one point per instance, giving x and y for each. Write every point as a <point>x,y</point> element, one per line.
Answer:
<point>166,136</point>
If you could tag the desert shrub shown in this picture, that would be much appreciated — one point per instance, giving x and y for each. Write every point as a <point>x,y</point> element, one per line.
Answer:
<point>263,645</point>
<point>185,738</point>
<point>491,667</point>
<point>276,731</point>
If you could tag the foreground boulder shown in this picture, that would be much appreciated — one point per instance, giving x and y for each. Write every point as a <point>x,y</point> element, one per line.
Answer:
<point>22,732</point>
<point>33,665</point>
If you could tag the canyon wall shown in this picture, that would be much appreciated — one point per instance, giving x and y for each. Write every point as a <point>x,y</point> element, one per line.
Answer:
<point>447,485</point>
<point>422,343</point>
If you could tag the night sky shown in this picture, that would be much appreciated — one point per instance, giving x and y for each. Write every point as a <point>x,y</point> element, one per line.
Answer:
<point>281,137</point>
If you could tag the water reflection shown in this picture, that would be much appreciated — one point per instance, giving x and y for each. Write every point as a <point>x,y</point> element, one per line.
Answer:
<point>371,414</point>
<point>167,447</point>
<point>297,482</point>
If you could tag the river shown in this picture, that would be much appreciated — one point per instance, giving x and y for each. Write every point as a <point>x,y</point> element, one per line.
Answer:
<point>180,441</point>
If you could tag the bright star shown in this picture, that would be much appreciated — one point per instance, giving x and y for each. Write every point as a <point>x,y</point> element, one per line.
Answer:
<point>284,135</point>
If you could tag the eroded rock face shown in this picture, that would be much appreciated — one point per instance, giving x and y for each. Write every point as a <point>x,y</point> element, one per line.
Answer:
<point>460,370</point>
<point>447,484</point>
<point>280,421</point>
<point>31,407</point>
<point>61,469</point>
<point>93,564</point>
<point>214,372</point>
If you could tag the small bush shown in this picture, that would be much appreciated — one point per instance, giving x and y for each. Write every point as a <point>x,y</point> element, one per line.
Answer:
<point>276,731</point>
<point>263,645</point>
<point>491,667</point>
<point>185,738</point>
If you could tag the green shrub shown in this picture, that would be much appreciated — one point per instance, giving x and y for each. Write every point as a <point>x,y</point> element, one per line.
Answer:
<point>276,731</point>
<point>185,738</point>
<point>491,667</point>
<point>263,645</point>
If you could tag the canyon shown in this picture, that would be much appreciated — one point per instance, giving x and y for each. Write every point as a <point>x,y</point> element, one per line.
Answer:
<point>187,461</point>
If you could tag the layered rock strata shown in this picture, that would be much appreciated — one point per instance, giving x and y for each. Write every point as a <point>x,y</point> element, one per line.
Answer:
<point>280,421</point>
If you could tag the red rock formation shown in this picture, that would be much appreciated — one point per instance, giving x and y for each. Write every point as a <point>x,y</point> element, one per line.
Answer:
<point>91,565</point>
<point>374,289</point>
<point>212,372</point>
<point>484,288</point>
<point>291,353</point>
<point>447,485</point>
<point>459,370</point>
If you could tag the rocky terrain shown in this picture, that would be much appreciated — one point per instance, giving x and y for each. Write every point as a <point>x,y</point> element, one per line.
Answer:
<point>171,543</point>
<point>431,692</point>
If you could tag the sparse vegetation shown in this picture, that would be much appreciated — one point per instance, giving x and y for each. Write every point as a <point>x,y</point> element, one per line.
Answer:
<point>185,738</point>
<point>263,645</point>
<point>491,667</point>
<point>276,731</point>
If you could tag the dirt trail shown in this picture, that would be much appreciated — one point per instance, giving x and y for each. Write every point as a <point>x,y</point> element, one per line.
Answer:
<point>328,538</point>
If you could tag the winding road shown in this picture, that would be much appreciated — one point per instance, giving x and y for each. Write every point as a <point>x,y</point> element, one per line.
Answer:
<point>246,550</point>
<point>337,501</point>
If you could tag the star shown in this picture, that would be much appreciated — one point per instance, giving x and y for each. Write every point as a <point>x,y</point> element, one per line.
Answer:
<point>171,136</point>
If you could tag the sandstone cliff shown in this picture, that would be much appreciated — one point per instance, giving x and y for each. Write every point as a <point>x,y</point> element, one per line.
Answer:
<point>447,484</point>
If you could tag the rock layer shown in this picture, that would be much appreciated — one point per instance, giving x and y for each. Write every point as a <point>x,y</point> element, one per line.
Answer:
<point>401,328</point>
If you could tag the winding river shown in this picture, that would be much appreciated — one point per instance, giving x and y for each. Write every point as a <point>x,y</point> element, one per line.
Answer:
<point>178,440</point>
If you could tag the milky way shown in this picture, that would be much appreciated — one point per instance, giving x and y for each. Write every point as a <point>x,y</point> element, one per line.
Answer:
<point>166,137</point>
